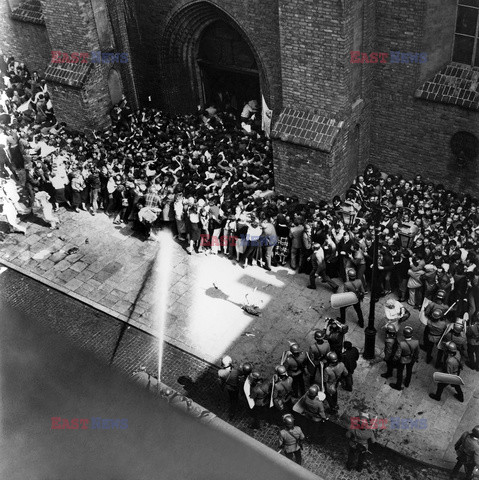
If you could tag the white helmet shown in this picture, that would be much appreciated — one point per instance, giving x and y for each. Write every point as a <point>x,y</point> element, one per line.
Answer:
<point>226,361</point>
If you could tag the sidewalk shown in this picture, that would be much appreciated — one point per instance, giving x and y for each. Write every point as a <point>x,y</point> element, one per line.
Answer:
<point>117,273</point>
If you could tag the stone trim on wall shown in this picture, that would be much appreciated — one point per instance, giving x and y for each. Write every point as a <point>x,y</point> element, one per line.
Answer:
<point>455,84</point>
<point>307,129</point>
<point>71,74</point>
<point>29,11</point>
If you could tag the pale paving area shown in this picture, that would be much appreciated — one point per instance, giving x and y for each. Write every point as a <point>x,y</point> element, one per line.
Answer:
<point>117,272</point>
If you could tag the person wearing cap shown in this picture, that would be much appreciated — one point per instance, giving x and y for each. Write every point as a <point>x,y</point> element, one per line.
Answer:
<point>229,380</point>
<point>467,451</point>
<point>355,285</point>
<point>405,356</point>
<point>359,436</point>
<point>291,438</point>
<point>316,355</point>
<point>452,366</point>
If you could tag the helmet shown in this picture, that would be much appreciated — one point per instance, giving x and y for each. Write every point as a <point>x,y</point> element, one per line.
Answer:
<point>334,325</point>
<point>390,329</point>
<point>247,368</point>
<point>313,391</point>
<point>226,361</point>
<point>280,370</point>
<point>256,376</point>
<point>440,294</point>
<point>408,331</point>
<point>288,420</point>
<point>451,347</point>
<point>319,335</point>
<point>332,357</point>
<point>295,348</point>
<point>364,415</point>
<point>458,327</point>
<point>436,314</point>
<point>475,431</point>
<point>351,273</point>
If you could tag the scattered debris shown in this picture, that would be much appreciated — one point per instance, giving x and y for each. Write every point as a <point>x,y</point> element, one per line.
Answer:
<point>249,334</point>
<point>62,238</point>
<point>72,251</point>
<point>214,285</point>
<point>86,240</point>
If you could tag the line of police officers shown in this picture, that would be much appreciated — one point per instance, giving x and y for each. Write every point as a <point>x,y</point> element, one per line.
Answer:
<point>324,364</point>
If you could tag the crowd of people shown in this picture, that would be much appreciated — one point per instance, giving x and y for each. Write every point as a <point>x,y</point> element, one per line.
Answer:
<point>209,177</point>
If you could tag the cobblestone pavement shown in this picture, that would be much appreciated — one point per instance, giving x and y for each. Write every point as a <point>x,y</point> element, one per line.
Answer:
<point>110,268</point>
<point>98,332</point>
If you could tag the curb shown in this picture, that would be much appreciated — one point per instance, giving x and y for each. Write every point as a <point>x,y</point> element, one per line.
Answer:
<point>226,427</point>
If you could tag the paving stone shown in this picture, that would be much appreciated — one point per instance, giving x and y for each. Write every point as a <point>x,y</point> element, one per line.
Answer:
<point>73,284</point>
<point>79,266</point>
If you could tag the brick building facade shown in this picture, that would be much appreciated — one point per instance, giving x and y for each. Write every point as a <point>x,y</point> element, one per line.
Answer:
<point>330,116</point>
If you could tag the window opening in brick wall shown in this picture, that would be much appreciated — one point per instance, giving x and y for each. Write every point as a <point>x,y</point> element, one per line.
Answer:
<point>467,33</point>
<point>465,147</point>
<point>103,26</point>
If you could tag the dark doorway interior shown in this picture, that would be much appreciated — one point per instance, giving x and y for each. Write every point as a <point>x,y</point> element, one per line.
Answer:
<point>228,68</point>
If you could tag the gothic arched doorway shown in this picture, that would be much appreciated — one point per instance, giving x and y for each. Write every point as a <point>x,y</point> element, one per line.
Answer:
<point>228,69</point>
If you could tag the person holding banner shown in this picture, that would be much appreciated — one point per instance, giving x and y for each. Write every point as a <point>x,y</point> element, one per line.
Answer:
<point>452,366</point>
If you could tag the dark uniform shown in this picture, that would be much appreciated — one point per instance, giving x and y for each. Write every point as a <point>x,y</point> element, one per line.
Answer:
<point>467,450</point>
<point>350,359</point>
<point>283,394</point>
<point>453,367</point>
<point>407,355</point>
<point>355,286</point>
<point>358,446</point>
<point>391,345</point>
<point>461,343</point>
<point>229,379</point>
<point>335,339</point>
<point>436,329</point>
<point>332,376</point>
<point>472,334</point>
<point>260,394</point>
<point>314,409</point>
<point>290,440</point>
<point>295,365</point>
<point>317,352</point>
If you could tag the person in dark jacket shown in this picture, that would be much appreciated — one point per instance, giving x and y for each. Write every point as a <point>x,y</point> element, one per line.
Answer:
<point>350,358</point>
<point>93,181</point>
